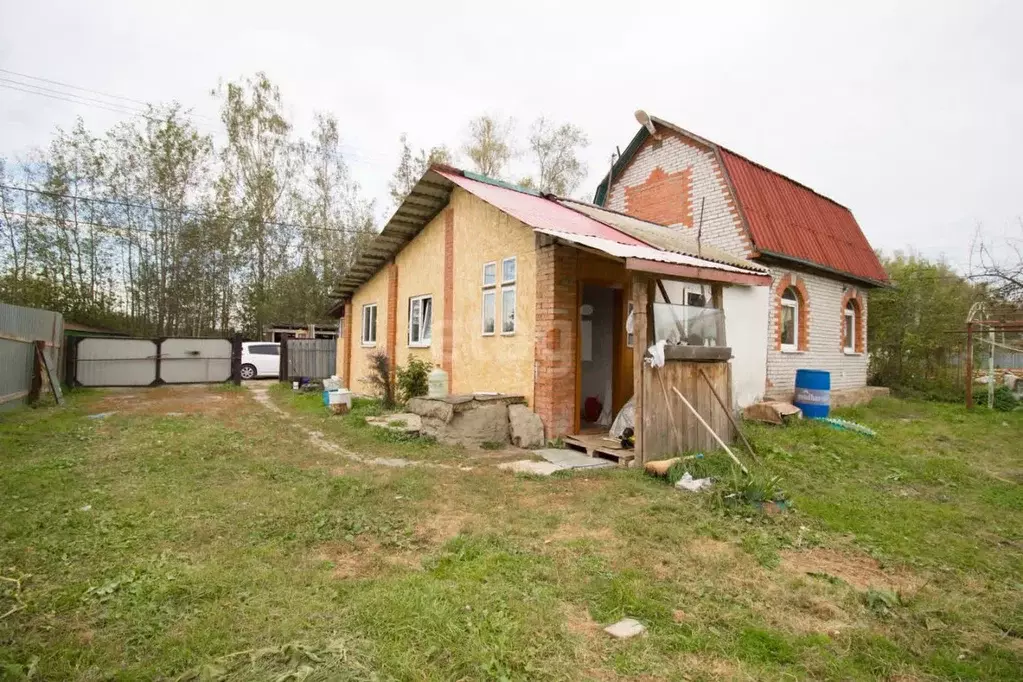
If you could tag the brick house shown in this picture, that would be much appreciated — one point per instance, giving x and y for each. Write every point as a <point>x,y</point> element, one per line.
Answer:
<point>822,267</point>
<point>556,300</point>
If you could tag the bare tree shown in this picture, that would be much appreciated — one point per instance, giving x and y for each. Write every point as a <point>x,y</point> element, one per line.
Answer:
<point>555,149</point>
<point>411,167</point>
<point>999,265</point>
<point>489,145</point>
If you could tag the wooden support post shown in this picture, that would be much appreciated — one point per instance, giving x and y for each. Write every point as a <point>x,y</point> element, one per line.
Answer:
<point>969,365</point>
<point>37,372</point>
<point>236,359</point>
<point>282,368</point>
<point>641,319</point>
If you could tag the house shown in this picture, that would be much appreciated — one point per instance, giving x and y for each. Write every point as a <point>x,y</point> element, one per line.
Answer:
<point>822,267</point>
<point>555,300</point>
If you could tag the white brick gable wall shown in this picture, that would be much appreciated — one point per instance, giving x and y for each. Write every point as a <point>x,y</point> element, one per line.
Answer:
<point>722,225</point>
<point>825,351</point>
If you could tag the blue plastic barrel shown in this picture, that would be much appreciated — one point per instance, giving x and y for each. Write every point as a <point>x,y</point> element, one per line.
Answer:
<point>813,393</point>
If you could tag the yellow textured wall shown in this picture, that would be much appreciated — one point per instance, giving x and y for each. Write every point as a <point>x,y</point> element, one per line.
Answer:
<point>491,363</point>
<point>421,273</point>
<point>373,291</point>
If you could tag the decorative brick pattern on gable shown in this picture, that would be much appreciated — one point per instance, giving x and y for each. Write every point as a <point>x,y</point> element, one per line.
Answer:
<point>722,223</point>
<point>662,198</point>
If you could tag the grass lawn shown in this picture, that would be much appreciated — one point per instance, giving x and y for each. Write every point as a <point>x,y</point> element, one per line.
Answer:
<point>195,534</point>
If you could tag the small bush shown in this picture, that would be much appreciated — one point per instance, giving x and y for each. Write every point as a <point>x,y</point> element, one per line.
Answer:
<point>380,378</point>
<point>741,490</point>
<point>1005,401</point>
<point>413,378</point>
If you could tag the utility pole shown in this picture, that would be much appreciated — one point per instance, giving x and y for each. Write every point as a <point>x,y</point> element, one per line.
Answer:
<point>991,370</point>
<point>969,365</point>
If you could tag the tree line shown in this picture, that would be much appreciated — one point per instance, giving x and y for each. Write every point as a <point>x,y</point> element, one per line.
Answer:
<point>157,227</point>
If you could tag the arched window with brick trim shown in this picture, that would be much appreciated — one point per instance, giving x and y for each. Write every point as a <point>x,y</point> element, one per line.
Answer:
<point>788,319</point>
<point>852,323</point>
<point>849,328</point>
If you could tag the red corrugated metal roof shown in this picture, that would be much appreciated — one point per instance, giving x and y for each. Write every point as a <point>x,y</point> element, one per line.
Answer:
<point>789,219</point>
<point>538,212</point>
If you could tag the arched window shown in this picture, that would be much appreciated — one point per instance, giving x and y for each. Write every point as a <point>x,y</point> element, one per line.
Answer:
<point>789,320</point>
<point>849,327</point>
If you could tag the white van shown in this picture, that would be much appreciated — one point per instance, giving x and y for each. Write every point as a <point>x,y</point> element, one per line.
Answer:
<point>260,359</point>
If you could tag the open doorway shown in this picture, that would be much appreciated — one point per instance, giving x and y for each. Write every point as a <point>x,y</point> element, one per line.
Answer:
<point>597,357</point>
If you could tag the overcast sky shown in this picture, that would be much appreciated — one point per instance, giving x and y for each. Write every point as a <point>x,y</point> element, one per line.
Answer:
<point>910,115</point>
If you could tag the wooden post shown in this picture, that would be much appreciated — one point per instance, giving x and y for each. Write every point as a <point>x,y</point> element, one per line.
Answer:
<point>37,372</point>
<point>641,320</point>
<point>236,359</point>
<point>718,301</point>
<point>969,365</point>
<point>283,367</point>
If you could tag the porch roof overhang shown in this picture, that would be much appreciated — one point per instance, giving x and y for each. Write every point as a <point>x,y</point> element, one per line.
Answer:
<point>656,261</point>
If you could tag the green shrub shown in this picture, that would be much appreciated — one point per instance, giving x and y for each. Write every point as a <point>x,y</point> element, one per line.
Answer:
<point>413,378</point>
<point>380,378</point>
<point>1005,401</point>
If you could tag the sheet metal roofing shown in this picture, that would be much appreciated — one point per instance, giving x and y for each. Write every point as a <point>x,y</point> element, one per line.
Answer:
<point>785,218</point>
<point>648,253</point>
<point>789,219</point>
<point>537,211</point>
<point>572,221</point>
<point>664,238</point>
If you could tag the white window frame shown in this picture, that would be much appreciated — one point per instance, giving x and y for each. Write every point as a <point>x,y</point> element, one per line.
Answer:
<point>515,302</point>
<point>493,264</point>
<point>423,341</point>
<point>515,261</point>
<point>849,320</point>
<point>369,343</point>
<point>492,293</point>
<point>794,304</point>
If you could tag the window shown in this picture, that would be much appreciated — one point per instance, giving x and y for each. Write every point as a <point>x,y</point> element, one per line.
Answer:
<point>420,321</point>
<point>369,324</point>
<point>508,271</point>
<point>507,310</point>
<point>265,349</point>
<point>789,320</point>
<point>850,328</point>
<point>489,274</point>
<point>489,312</point>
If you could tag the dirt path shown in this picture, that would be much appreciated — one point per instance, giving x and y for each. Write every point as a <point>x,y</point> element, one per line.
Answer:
<point>315,438</point>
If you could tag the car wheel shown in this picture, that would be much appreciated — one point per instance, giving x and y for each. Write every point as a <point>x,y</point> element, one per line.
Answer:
<point>248,371</point>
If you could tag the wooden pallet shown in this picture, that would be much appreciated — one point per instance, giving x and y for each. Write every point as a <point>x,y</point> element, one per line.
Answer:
<point>597,446</point>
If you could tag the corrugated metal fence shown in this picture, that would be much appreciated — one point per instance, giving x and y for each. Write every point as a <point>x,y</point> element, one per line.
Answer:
<point>312,358</point>
<point>20,328</point>
<point>118,361</point>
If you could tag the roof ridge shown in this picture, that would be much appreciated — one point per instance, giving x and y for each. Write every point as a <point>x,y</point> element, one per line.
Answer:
<point>680,129</point>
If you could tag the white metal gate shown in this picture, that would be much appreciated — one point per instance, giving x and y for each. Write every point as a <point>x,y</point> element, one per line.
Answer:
<point>108,361</point>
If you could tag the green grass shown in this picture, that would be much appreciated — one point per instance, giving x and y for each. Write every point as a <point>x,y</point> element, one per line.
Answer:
<point>224,546</point>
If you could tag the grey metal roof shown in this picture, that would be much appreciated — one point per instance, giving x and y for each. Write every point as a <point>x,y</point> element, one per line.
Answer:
<point>666,238</point>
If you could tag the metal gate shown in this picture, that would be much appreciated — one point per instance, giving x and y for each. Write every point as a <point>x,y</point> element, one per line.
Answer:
<point>311,358</point>
<point>109,361</point>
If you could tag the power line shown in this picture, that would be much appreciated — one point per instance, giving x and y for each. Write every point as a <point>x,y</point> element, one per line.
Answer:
<point>143,207</point>
<point>112,107</point>
<point>73,87</point>
<point>61,92</point>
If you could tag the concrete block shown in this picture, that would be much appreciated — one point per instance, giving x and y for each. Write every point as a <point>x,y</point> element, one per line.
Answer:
<point>526,427</point>
<point>625,628</point>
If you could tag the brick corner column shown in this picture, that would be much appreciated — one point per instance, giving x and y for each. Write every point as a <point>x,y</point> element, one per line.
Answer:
<point>392,315</point>
<point>555,342</point>
<point>448,333</point>
<point>347,358</point>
